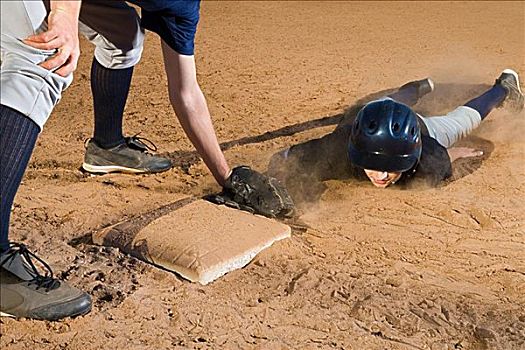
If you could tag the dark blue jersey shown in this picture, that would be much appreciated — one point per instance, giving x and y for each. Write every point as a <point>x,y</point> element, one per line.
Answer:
<point>175,21</point>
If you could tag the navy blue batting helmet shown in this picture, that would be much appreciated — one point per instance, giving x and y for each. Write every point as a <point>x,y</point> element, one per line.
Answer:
<point>385,136</point>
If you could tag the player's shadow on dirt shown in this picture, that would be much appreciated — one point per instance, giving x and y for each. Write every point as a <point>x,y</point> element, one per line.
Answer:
<point>443,99</point>
<point>186,159</point>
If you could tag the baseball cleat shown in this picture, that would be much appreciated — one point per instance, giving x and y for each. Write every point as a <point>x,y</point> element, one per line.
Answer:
<point>423,86</point>
<point>430,83</point>
<point>509,80</point>
<point>132,157</point>
<point>24,292</point>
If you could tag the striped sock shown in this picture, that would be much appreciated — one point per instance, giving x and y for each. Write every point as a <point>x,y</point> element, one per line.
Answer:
<point>110,89</point>
<point>18,136</point>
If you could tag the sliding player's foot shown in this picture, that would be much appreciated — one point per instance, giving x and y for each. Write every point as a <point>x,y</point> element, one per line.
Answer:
<point>509,80</point>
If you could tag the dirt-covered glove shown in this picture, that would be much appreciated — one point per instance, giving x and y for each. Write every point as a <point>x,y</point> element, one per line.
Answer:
<point>249,190</point>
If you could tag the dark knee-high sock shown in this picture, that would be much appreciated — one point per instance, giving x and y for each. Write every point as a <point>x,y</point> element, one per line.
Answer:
<point>407,94</point>
<point>411,92</point>
<point>18,135</point>
<point>488,100</point>
<point>110,89</point>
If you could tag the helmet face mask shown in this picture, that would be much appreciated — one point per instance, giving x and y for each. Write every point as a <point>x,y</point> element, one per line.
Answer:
<point>385,137</point>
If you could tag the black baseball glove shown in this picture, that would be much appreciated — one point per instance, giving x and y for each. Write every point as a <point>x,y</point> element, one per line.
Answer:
<point>249,190</point>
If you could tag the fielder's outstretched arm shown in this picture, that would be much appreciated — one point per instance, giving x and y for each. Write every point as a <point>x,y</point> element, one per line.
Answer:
<point>190,106</point>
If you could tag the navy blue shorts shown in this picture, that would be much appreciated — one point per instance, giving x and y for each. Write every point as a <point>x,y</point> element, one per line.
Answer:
<point>175,21</point>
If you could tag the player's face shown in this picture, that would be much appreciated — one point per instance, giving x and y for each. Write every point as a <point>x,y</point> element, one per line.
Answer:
<point>382,179</point>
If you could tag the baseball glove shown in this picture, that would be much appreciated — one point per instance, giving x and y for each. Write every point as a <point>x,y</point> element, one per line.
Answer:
<point>249,190</point>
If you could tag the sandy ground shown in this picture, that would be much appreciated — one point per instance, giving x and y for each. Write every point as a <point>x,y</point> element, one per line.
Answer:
<point>378,269</point>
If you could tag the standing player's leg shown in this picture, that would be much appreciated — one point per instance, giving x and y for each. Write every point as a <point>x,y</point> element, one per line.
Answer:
<point>114,28</point>
<point>18,135</point>
<point>29,93</point>
<point>110,89</point>
<point>448,129</point>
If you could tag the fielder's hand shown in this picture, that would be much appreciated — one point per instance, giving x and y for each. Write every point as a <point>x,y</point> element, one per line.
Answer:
<point>62,36</point>
<point>249,190</point>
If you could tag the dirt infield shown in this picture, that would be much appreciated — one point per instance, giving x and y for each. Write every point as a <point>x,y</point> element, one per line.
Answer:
<point>377,269</point>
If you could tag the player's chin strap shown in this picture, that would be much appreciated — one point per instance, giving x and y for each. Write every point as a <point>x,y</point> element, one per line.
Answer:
<point>410,172</point>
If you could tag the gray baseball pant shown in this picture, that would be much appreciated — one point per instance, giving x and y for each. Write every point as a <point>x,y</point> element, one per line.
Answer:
<point>449,128</point>
<point>111,25</point>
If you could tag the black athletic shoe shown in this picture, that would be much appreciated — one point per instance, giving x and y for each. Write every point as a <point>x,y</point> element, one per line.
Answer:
<point>511,83</point>
<point>24,292</point>
<point>423,86</point>
<point>132,156</point>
